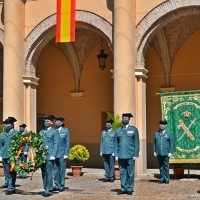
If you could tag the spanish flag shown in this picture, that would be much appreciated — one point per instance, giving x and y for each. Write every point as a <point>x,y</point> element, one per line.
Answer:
<point>65,21</point>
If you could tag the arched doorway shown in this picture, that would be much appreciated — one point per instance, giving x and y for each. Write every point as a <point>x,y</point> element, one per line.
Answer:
<point>167,48</point>
<point>72,85</point>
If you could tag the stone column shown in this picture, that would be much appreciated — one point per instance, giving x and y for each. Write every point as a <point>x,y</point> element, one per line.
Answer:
<point>124,57</point>
<point>13,91</point>
<point>30,84</point>
<point>141,119</point>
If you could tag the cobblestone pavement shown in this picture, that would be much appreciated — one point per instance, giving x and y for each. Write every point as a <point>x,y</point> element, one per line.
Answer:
<point>90,186</point>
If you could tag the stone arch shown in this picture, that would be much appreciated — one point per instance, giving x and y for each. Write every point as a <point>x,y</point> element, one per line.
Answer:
<point>45,31</point>
<point>159,17</point>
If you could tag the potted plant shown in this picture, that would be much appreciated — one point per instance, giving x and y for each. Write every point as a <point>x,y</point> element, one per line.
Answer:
<point>1,165</point>
<point>77,155</point>
<point>178,170</point>
<point>117,120</point>
<point>116,124</point>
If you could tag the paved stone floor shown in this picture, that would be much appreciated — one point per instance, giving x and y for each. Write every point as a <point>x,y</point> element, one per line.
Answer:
<point>90,186</point>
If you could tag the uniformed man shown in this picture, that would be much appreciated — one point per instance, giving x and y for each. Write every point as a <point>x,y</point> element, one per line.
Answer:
<point>126,152</point>
<point>163,147</point>
<point>24,153</point>
<point>5,185</point>
<point>107,144</point>
<point>6,138</point>
<point>50,139</point>
<point>62,155</point>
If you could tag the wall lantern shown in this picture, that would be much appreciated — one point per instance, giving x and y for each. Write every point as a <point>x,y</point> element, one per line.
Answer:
<point>102,58</point>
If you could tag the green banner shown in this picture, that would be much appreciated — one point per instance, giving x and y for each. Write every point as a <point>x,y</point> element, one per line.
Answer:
<point>182,112</point>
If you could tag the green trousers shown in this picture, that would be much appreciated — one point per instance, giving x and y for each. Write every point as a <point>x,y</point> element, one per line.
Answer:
<point>127,168</point>
<point>164,167</point>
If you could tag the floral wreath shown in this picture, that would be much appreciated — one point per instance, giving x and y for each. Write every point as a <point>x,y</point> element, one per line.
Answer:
<point>37,152</point>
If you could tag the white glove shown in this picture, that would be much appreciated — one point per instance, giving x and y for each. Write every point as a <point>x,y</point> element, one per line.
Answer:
<point>100,153</point>
<point>52,158</point>
<point>0,159</point>
<point>134,158</point>
<point>116,158</point>
<point>155,154</point>
<point>169,154</point>
<point>65,157</point>
<point>113,154</point>
<point>25,153</point>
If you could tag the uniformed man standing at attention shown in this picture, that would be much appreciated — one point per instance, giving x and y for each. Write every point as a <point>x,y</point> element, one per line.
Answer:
<point>24,153</point>
<point>5,140</point>
<point>107,144</point>
<point>163,147</point>
<point>62,155</point>
<point>50,139</point>
<point>126,152</point>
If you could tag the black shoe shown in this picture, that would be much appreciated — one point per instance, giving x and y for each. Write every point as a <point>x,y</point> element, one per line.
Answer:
<point>161,182</point>
<point>106,180</point>
<point>61,190</point>
<point>46,195</point>
<point>111,180</point>
<point>167,182</point>
<point>4,186</point>
<point>10,192</point>
<point>129,193</point>
<point>54,189</point>
<point>122,192</point>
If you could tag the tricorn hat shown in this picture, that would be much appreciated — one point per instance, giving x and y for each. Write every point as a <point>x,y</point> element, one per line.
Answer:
<point>9,120</point>
<point>49,117</point>
<point>127,115</point>
<point>110,121</point>
<point>59,119</point>
<point>23,125</point>
<point>164,122</point>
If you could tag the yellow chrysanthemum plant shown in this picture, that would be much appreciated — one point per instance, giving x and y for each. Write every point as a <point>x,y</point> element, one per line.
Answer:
<point>78,154</point>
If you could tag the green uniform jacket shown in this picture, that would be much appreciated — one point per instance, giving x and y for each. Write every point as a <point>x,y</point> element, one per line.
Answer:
<point>163,143</point>
<point>64,143</point>
<point>108,141</point>
<point>26,147</point>
<point>128,144</point>
<point>50,138</point>
<point>5,141</point>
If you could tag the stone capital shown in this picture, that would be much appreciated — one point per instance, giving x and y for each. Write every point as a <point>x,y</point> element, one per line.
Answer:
<point>76,95</point>
<point>141,72</point>
<point>167,89</point>
<point>30,80</point>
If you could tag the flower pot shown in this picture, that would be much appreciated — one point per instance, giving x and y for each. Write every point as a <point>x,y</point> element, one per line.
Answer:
<point>178,172</point>
<point>76,170</point>
<point>1,170</point>
<point>117,172</point>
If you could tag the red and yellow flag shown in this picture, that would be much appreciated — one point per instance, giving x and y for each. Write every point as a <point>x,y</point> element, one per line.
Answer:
<point>65,21</point>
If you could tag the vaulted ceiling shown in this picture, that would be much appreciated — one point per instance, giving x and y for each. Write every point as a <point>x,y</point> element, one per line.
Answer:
<point>169,39</point>
<point>87,37</point>
<point>176,33</point>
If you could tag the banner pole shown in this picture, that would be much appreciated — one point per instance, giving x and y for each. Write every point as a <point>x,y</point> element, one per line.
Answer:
<point>178,92</point>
